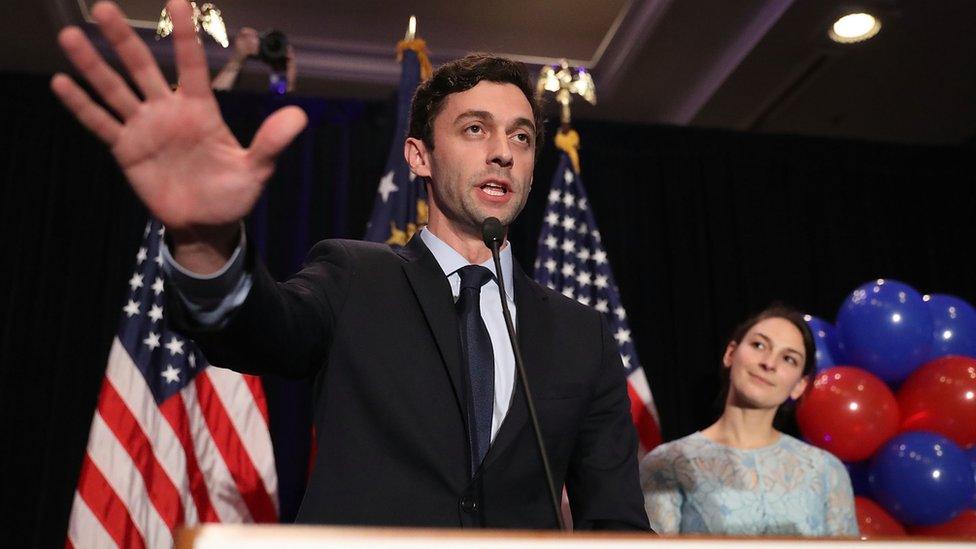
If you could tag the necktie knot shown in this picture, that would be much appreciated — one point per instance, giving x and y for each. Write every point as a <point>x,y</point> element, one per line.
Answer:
<point>474,277</point>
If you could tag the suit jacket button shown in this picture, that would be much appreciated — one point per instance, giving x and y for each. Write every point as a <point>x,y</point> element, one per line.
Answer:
<point>469,504</point>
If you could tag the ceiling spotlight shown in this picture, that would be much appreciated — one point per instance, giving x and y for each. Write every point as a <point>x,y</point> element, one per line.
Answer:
<point>854,27</point>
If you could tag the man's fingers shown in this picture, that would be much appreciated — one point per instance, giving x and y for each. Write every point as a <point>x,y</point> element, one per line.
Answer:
<point>92,116</point>
<point>276,133</point>
<point>131,49</point>
<point>191,63</point>
<point>96,71</point>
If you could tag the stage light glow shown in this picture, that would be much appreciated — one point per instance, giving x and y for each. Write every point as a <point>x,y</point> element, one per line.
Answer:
<point>854,27</point>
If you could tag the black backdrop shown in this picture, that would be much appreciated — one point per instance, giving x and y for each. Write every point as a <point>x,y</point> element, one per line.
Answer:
<point>701,227</point>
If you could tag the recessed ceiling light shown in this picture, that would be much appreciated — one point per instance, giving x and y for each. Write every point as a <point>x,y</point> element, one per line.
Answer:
<point>854,27</point>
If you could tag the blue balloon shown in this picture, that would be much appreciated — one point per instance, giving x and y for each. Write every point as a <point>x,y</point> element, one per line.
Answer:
<point>885,328</point>
<point>859,471</point>
<point>954,326</point>
<point>922,478</point>
<point>829,353</point>
<point>972,461</point>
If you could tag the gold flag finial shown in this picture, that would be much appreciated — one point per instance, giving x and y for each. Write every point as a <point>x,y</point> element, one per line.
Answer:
<point>411,29</point>
<point>566,81</point>
<point>417,45</point>
<point>206,16</point>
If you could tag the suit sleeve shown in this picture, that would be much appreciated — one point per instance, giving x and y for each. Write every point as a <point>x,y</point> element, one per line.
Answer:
<point>209,300</point>
<point>602,481</point>
<point>280,328</point>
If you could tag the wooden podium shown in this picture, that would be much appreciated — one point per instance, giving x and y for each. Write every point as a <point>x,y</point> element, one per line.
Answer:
<point>220,536</point>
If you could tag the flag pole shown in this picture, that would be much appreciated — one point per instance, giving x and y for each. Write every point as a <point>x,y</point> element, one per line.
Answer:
<point>570,257</point>
<point>400,206</point>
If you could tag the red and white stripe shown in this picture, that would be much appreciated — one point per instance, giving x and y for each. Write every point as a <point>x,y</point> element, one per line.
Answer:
<point>204,455</point>
<point>643,411</point>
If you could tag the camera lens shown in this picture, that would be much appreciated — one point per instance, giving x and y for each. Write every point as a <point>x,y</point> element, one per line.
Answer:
<point>273,49</point>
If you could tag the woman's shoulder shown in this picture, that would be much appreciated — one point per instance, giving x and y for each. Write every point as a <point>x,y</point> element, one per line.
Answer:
<point>664,464</point>
<point>676,449</point>
<point>817,457</point>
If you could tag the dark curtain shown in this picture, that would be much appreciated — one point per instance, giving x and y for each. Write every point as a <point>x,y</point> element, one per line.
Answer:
<point>705,227</point>
<point>701,228</point>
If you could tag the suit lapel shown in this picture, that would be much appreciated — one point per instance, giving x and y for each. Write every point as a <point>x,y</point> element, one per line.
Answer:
<point>534,333</point>
<point>433,293</point>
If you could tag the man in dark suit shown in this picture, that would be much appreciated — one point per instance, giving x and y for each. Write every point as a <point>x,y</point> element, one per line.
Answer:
<point>418,417</point>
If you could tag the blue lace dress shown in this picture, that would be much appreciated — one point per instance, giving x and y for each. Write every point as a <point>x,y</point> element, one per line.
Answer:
<point>694,485</point>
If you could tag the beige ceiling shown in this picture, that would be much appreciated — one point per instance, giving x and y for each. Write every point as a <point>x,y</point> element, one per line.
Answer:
<point>754,65</point>
<point>534,30</point>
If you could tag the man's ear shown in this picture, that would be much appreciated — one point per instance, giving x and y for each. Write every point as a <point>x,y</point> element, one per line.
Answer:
<point>417,156</point>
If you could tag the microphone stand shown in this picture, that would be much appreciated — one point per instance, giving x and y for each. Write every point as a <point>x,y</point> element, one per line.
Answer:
<point>492,232</point>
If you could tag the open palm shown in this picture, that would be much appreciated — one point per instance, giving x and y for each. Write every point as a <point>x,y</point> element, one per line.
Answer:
<point>173,146</point>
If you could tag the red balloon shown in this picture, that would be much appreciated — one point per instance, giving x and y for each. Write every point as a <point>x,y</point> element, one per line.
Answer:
<point>963,526</point>
<point>849,412</point>
<point>941,397</point>
<point>875,522</point>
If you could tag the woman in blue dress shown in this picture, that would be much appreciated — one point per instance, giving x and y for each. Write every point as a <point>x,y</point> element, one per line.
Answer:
<point>741,476</point>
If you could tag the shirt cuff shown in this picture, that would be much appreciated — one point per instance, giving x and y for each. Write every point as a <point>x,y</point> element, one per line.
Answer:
<point>210,299</point>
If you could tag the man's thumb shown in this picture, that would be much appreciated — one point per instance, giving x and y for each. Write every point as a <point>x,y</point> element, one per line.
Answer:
<point>276,133</point>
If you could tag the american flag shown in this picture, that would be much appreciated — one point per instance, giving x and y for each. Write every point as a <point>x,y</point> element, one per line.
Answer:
<point>400,207</point>
<point>571,260</point>
<point>173,441</point>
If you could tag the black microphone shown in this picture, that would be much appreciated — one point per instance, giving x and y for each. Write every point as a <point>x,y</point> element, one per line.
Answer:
<point>492,232</point>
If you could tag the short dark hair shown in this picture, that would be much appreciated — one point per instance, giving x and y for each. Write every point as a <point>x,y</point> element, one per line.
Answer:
<point>462,75</point>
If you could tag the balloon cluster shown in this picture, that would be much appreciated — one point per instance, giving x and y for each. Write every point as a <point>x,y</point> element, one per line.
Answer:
<point>894,396</point>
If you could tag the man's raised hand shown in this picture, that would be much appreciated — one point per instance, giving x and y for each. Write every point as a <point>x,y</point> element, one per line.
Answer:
<point>173,146</point>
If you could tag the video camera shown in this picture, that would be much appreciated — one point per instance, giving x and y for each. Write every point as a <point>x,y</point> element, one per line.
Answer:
<point>273,49</point>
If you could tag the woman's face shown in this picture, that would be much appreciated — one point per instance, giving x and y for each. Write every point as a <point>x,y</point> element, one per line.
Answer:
<point>766,367</point>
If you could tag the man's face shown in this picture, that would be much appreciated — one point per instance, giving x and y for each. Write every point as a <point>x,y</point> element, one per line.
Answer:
<point>483,156</point>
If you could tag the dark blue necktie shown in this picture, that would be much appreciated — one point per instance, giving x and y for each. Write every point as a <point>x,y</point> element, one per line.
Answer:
<point>477,355</point>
